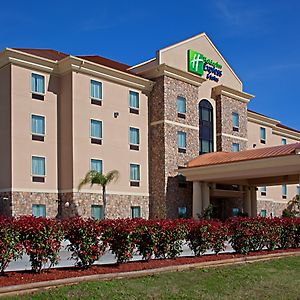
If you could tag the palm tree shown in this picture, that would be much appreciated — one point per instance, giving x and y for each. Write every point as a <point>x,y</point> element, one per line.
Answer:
<point>95,177</point>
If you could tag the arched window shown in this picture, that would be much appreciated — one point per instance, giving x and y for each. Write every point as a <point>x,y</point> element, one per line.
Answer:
<point>206,134</point>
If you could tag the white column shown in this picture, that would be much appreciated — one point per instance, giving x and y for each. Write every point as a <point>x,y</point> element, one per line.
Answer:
<point>247,201</point>
<point>205,195</point>
<point>197,199</point>
<point>253,201</point>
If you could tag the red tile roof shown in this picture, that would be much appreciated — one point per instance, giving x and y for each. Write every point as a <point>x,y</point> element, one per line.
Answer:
<point>216,158</point>
<point>45,53</point>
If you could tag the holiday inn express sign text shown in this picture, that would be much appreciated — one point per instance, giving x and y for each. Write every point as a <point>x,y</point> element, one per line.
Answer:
<point>198,64</point>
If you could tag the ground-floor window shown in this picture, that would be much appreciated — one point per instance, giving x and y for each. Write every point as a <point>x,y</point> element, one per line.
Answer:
<point>135,212</point>
<point>182,212</point>
<point>96,212</point>
<point>235,211</point>
<point>263,213</point>
<point>39,210</point>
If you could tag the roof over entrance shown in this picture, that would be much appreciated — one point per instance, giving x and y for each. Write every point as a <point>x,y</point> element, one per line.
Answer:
<point>265,166</point>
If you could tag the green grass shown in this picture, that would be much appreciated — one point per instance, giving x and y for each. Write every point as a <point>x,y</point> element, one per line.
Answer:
<point>276,279</point>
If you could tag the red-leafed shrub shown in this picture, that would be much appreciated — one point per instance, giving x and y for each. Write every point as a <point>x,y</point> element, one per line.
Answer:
<point>41,239</point>
<point>289,232</point>
<point>85,240</point>
<point>169,238</point>
<point>247,234</point>
<point>118,234</point>
<point>204,235</point>
<point>10,246</point>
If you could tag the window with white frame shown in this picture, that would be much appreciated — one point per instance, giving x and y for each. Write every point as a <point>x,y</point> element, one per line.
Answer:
<point>37,84</point>
<point>283,141</point>
<point>181,107</point>
<point>97,165</point>
<point>263,191</point>
<point>134,102</point>
<point>181,137</point>
<point>134,138</point>
<point>263,135</point>
<point>39,210</point>
<point>96,90</point>
<point>37,125</point>
<point>38,169</point>
<point>96,131</point>
<point>135,175</point>
<point>96,212</point>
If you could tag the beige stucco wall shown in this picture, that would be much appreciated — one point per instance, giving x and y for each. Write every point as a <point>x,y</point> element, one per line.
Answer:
<point>22,145</point>
<point>5,128</point>
<point>114,151</point>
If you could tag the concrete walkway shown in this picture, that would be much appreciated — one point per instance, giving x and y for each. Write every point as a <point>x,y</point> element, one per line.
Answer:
<point>108,258</point>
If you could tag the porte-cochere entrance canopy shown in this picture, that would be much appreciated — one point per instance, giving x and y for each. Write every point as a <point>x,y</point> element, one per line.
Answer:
<point>213,173</point>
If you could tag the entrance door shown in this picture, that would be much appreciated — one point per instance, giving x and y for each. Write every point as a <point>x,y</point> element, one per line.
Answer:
<point>219,211</point>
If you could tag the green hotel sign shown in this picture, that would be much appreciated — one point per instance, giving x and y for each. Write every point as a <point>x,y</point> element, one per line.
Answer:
<point>198,64</point>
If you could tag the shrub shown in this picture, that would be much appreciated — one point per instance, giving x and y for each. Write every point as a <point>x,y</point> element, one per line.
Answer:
<point>203,235</point>
<point>85,240</point>
<point>10,246</point>
<point>41,239</point>
<point>169,236</point>
<point>118,234</point>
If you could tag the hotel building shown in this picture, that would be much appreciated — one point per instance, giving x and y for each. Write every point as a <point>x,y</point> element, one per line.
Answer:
<point>176,127</point>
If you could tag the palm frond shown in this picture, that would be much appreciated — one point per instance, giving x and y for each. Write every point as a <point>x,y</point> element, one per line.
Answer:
<point>112,176</point>
<point>88,179</point>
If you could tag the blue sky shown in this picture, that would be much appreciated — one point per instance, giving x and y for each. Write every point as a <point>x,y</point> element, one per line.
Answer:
<point>259,39</point>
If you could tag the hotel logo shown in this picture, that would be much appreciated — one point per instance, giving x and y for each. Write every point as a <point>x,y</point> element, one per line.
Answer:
<point>198,64</point>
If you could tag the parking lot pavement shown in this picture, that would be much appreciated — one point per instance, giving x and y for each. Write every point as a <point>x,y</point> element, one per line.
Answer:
<point>108,258</point>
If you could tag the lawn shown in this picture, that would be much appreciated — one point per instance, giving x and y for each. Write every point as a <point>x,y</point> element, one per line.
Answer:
<point>276,279</point>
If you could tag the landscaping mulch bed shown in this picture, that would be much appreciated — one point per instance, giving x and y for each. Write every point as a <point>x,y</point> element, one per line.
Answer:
<point>23,277</point>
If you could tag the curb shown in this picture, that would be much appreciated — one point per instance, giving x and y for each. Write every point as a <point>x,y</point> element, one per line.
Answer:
<point>22,289</point>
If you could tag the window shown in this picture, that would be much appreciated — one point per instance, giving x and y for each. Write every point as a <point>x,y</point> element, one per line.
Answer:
<point>38,169</point>
<point>134,138</point>
<point>235,121</point>
<point>135,212</point>
<point>283,141</point>
<point>235,211</point>
<point>235,147</point>
<point>96,212</point>
<point>182,183</point>
<point>182,212</point>
<point>263,213</point>
<point>96,132</point>
<point>96,92</point>
<point>134,102</point>
<point>298,190</point>
<point>135,175</point>
<point>181,136</point>
<point>205,127</point>
<point>263,191</point>
<point>181,107</point>
<point>39,210</point>
<point>262,135</point>
<point>37,84</point>
<point>96,165</point>
<point>284,191</point>
<point>37,127</point>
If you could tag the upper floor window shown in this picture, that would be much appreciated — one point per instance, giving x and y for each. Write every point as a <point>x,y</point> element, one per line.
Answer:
<point>284,191</point>
<point>262,135</point>
<point>96,90</point>
<point>134,102</point>
<point>263,191</point>
<point>235,147</point>
<point>37,127</point>
<point>283,141</point>
<point>96,212</point>
<point>135,212</point>
<point>181,136</point>
<point>135,175</point>
<point>38,170</point>
<point>39,210</point>
<point>181,107</point>
<point>37,84</point>
<point>134,138</point>
<point>205,127</point>
<point>96,165</point>
<point>96,132</point>
<point>235,121</point>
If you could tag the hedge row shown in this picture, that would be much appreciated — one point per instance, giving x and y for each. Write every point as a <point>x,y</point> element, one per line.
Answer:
<point>41,238</point>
